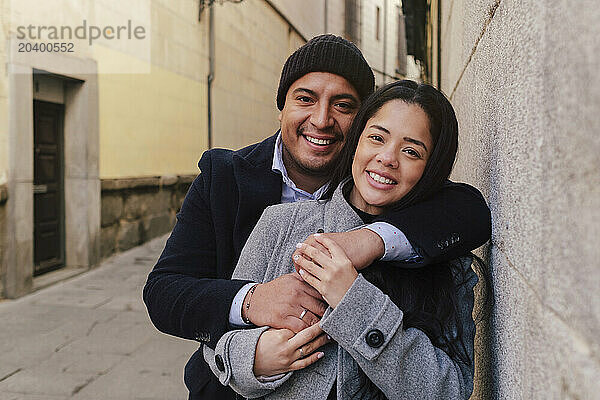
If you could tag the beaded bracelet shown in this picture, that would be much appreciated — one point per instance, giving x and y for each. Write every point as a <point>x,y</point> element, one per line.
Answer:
<point>247,306</point>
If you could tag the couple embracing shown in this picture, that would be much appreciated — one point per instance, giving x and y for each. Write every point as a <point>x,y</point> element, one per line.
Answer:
<point>332,259</point>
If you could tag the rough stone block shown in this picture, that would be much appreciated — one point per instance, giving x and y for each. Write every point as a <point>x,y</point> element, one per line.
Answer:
<point>2,248</point>
<point>168,180</point>
<point>156,226</point>
<point>130,183</point>
<point>128,235</point>
<point>3,194</point>
<point>139,205</point>
<point>112,208</point>
<point>108,240</point>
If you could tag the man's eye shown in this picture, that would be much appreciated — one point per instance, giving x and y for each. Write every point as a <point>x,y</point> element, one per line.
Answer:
<point>304,99</point>
<point>345,107</point>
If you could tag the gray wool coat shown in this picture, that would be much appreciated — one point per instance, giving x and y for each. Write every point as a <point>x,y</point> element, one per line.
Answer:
<point>405,366</point>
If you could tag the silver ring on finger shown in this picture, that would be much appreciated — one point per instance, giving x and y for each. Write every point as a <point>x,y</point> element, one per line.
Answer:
<point>304,311</point>
<point>301,352</point>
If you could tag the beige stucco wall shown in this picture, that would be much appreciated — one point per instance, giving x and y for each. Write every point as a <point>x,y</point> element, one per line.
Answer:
<point>308,16</point>
<point>3,97</point>
<point>524,80</point>
<point>252,44</point>
<point>372,48</point>
<point>155,123</point>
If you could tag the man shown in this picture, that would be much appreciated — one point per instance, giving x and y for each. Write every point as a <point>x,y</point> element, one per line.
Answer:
<point>189,293</point>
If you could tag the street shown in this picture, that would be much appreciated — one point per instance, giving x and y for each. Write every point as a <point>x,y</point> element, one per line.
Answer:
<point>90,338</point>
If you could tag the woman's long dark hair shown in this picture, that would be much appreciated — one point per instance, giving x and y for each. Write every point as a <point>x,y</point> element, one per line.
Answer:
<point>427,295</point>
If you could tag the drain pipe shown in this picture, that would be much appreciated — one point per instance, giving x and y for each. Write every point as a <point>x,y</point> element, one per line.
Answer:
<point>325,18</point>
<point>439,44</point>
<point>384,40</point>
<point>211,70</point>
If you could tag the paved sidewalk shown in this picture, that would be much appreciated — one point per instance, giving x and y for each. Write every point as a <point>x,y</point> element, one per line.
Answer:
<point>89,338</point>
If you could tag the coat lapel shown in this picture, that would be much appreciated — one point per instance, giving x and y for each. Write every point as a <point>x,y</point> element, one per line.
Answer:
<point>258,187</point>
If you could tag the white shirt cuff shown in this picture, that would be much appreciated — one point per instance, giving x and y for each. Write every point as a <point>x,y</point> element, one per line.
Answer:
<point>397,246</point>
<point>235,312</point>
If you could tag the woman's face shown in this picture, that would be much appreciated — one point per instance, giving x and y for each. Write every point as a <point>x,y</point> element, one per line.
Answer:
<point>391,156</point>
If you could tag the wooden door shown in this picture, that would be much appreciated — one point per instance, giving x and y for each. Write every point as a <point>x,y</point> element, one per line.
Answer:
<point>48,197</point>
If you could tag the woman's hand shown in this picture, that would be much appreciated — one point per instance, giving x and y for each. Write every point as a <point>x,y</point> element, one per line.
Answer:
<point>280,350</point>
<point>331,274</point>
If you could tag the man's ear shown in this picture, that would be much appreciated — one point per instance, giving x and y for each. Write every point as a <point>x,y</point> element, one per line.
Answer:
<point>279,116</point>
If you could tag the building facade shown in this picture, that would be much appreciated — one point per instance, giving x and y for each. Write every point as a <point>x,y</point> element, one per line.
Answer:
<point>99,145</point>
<point>523,78</point>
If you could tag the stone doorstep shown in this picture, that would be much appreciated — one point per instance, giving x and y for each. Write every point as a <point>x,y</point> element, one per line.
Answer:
<point>59,275</point>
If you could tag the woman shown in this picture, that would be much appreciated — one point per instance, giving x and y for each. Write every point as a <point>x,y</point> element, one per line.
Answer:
<point>396,333</point>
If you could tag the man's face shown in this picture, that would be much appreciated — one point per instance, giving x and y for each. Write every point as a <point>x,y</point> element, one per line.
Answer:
<point>318,111</point>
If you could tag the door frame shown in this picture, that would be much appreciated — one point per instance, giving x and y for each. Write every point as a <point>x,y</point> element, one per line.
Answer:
<point>81,171</point>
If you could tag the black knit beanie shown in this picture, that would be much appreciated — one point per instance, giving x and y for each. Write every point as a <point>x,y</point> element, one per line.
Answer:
<point>327,53</point>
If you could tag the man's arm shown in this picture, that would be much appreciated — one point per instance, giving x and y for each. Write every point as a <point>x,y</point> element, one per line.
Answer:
<point>451,223</point>
<point>182,296</point>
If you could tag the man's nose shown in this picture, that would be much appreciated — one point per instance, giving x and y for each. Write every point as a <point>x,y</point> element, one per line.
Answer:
<point>321,117</point>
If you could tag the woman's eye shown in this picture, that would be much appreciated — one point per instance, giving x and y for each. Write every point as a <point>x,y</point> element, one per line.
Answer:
<point>377,138</point>
<point>412,152</point>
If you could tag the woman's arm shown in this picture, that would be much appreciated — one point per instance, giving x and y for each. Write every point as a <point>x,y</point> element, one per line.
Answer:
<point>402,363</point>
<point>367,324</point>
<point>239,353</point>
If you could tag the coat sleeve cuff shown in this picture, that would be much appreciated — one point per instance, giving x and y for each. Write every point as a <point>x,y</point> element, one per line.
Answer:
<point>360,315</point>
<point>237,350</point>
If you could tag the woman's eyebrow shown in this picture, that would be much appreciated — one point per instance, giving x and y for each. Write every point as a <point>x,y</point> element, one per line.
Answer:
<point>379,127</point>
<point>415,141</point>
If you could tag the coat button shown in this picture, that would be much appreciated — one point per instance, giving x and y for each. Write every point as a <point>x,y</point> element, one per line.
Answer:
<point>219,362</point>
<point>320,231</point>
<point>374,338</point>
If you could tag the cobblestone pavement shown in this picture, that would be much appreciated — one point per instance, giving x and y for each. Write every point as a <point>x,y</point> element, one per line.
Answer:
<point>90,338</point>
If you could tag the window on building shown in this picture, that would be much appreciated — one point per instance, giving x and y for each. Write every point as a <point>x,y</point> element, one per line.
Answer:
<point>377,22</point>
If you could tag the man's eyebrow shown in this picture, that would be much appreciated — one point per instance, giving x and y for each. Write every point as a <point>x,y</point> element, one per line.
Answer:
<point>415,141</point>
<point>341,96</point>
<point>345,96</point>
<point>304,90</point>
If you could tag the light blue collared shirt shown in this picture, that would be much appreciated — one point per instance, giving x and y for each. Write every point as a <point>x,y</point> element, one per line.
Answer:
<point>397,246</point>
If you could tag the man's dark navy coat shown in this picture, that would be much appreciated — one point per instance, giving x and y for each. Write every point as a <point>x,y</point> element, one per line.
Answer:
<point>189,292</point>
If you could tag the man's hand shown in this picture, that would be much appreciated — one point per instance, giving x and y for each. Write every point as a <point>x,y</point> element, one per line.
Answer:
<point>280,350</point>
<point>281,302</point>
<point>361,246</point>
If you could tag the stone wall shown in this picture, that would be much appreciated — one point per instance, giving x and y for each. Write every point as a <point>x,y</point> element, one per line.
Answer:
<point>3,198</point>
<point>523,78</point>
<point>136,210</point>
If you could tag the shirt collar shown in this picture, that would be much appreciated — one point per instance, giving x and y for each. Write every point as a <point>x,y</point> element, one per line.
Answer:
<point>278,166</point>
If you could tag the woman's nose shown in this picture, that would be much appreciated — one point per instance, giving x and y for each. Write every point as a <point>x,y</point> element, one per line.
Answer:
<point>388,158</point>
